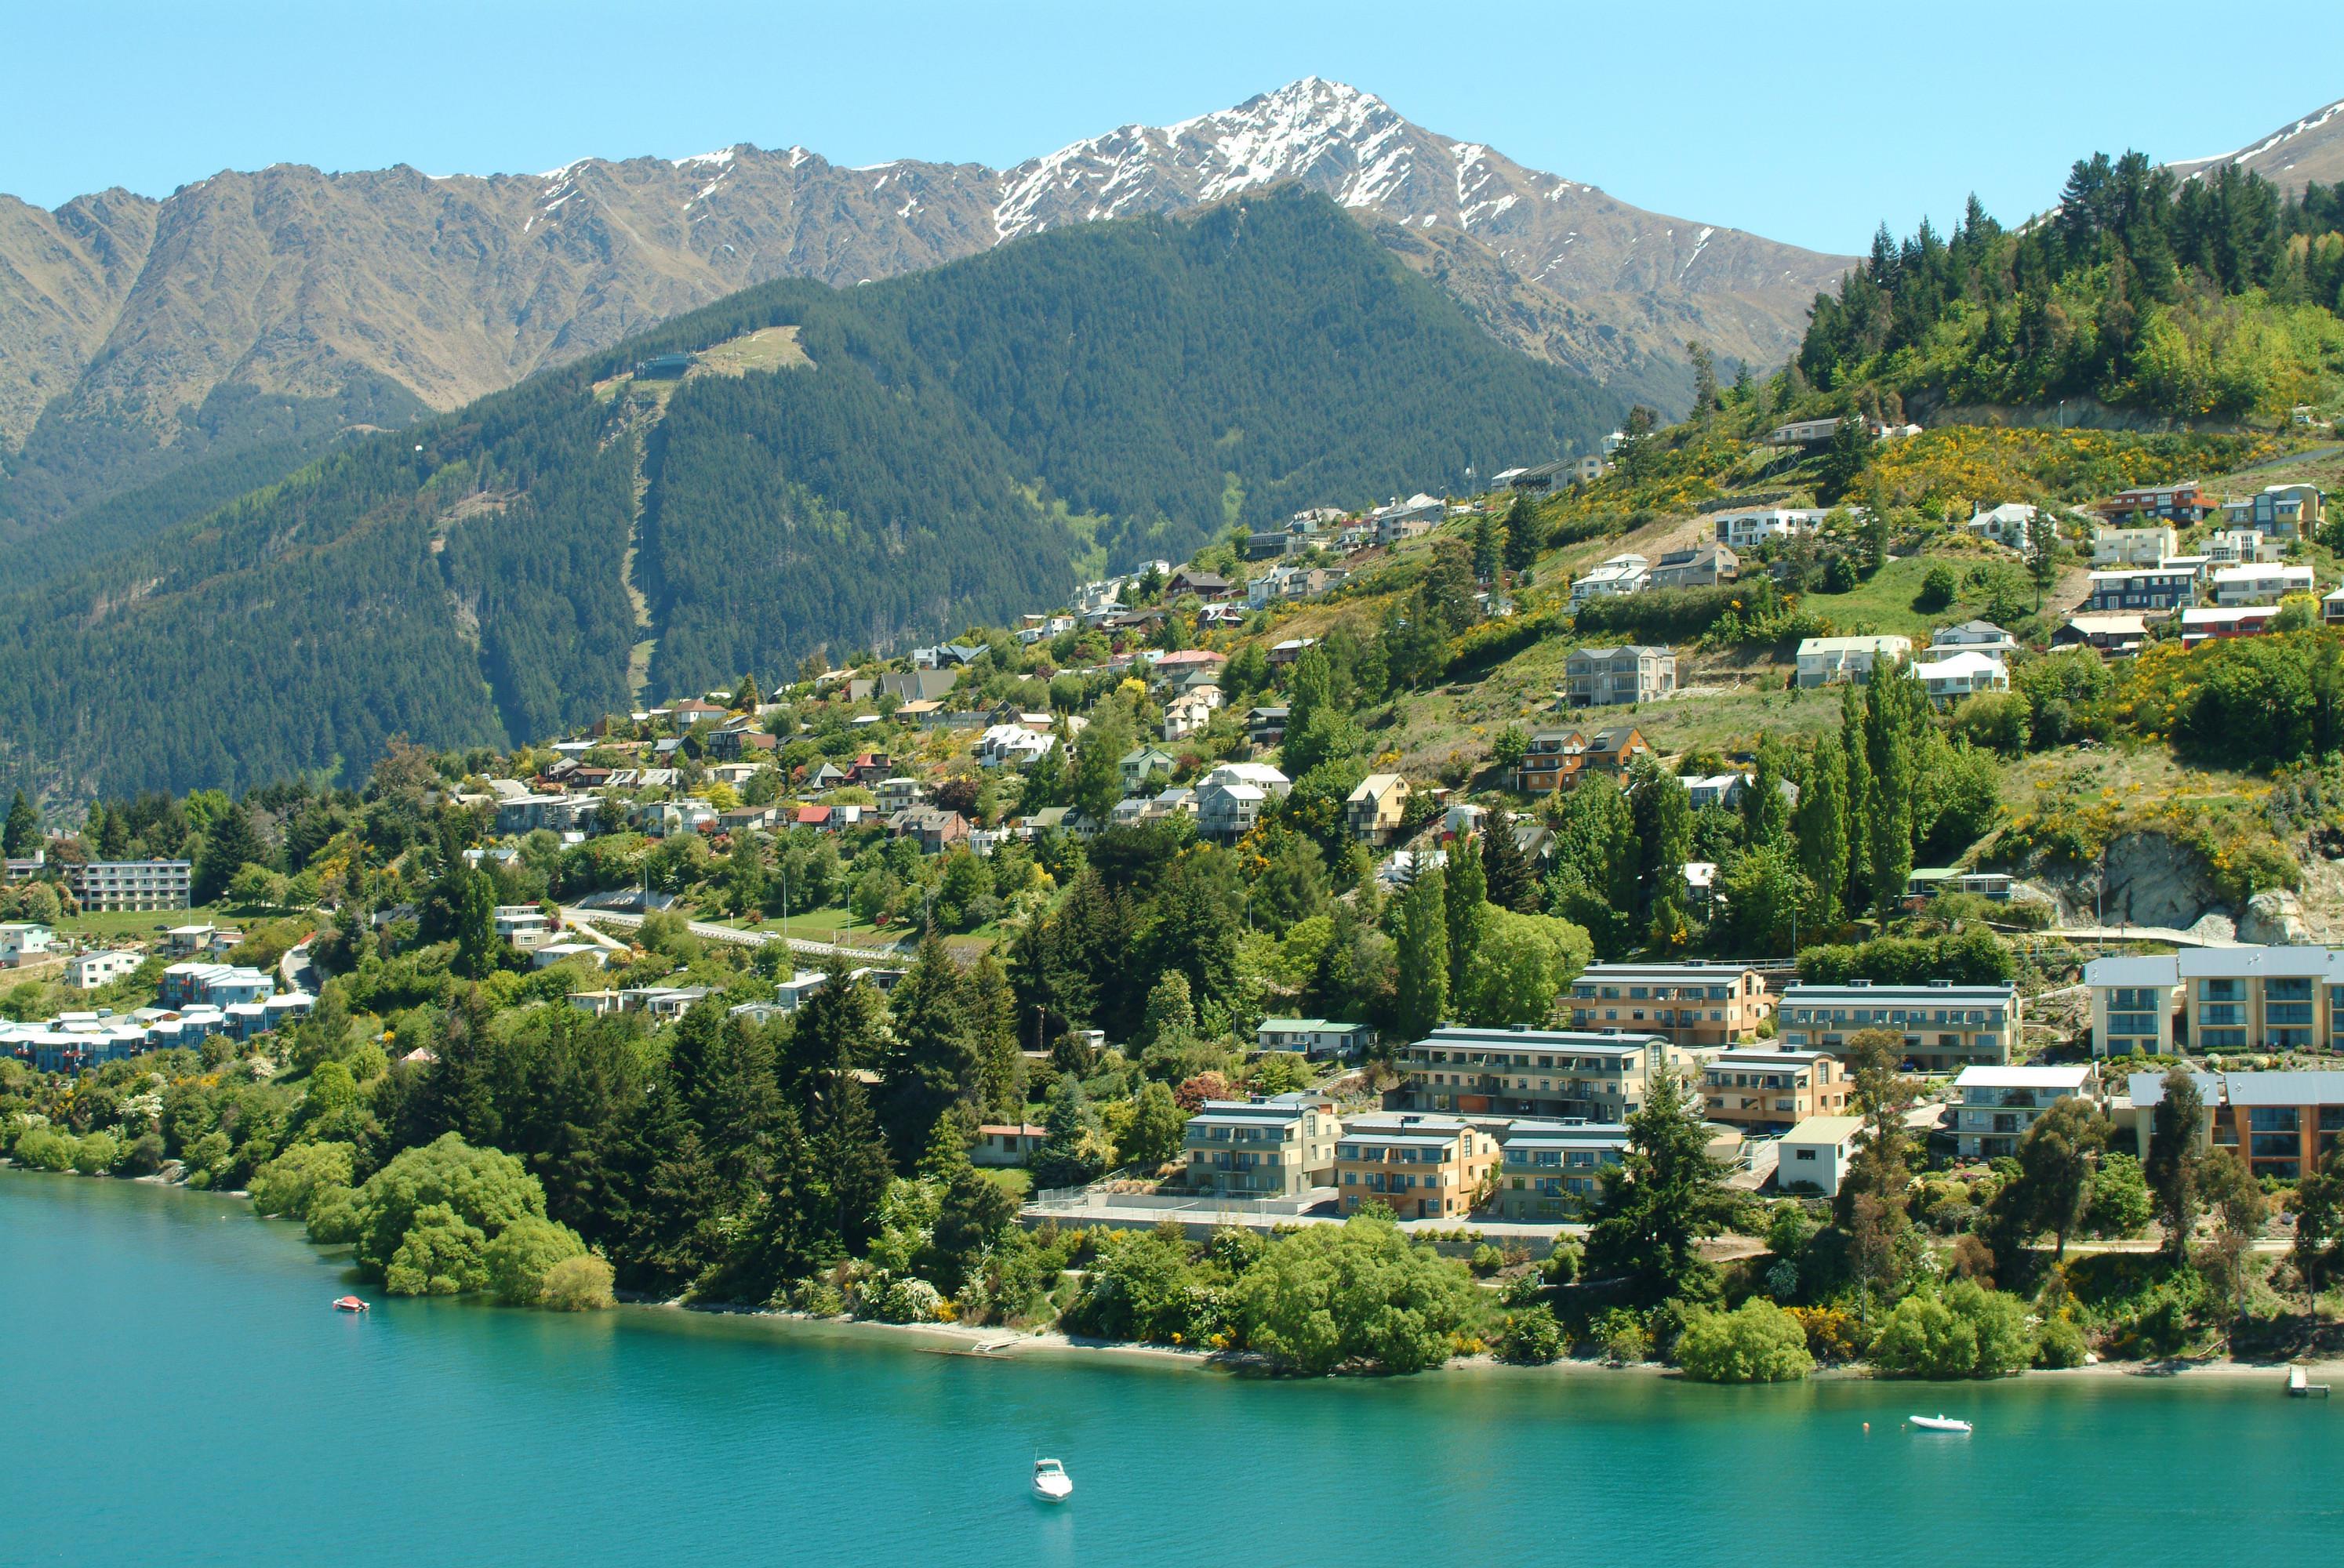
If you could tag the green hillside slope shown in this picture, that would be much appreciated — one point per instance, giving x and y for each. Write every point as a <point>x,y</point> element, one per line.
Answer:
<point>957,441</point>
<point>2214,298</point>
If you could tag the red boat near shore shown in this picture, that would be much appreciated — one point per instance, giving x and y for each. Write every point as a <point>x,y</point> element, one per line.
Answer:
<point>349,1304</point>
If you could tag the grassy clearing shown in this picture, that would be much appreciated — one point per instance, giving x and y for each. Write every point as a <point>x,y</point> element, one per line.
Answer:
<point>116,925</point>
<point>769,348</point>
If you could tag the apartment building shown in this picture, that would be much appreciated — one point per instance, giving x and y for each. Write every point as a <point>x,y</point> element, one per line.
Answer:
<point>1418,1167</point>
<point>1274,1147</point>
<point>2281,1124</point>
<point>132,884</point>
<point>1549,1171</point>
<point>1994,1106</point>
<point>2236,587</point>
<point>2145,588</point>
<point>2133,546</point>
<point>1550,761</point>
<point>1773,1090</point>
<point>2134,1004</point>
<point>1315,1037</point>
<point>1376,811</point>
<point>2290,511</point>
<point>2241,547</point>
<point>2186,502</point>
<point>1703,566</point>
<point>1945,1027</point>
<point>92,971</point>
<point>1552,1073</point>
<point>1747,528</point>
<point>1603,676</point>
<point>2261,998</point>
<point>1626,573</point>
<point>1689,1004</point>
<point>1825,659</point>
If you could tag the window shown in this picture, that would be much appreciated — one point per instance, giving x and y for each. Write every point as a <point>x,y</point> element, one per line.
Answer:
<point>1802,1154</point>
<point>2273,1119</point>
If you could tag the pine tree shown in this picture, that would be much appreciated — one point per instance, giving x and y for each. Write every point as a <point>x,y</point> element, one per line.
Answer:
<point>228,847</point>
<point>23,829</point>
<point>1488,552</point>
<point>1524,538</point>
<point>933,1065</point>
<point>736,1100</point>
<point>1505,870</point>
<point>1195,933</point>
<point>993,1018</point>
<point>1664,814</point>
<point>1421,1004</point>
<point>849,1160</point>
<point>1069,1153</point>
<point>1464,903</point>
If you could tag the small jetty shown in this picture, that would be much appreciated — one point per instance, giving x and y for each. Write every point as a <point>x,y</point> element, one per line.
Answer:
<point>2300,1386</point>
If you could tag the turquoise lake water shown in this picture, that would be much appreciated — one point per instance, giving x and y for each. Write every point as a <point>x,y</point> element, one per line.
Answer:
<point>175,1390</point>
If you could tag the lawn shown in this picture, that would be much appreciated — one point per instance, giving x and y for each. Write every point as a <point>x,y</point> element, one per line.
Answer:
<point>112,925</point>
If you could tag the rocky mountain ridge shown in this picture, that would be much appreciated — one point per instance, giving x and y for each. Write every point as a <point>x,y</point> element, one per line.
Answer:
<point>119,316</point>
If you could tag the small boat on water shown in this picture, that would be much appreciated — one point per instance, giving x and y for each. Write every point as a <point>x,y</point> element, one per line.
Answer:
<point>1938,1424</point>
<point>349,1304</point>
<point>1051,1481</point>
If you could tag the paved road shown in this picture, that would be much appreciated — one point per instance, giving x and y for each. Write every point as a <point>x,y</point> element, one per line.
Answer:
<point>2179,938</point>
<point>573,915</point>
<point>295,969</point>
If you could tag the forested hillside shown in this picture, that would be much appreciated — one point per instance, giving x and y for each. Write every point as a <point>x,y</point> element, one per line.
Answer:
<point>2214,297</point>
<point>957,441</point>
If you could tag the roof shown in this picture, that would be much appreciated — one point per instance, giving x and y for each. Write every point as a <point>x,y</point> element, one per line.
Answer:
<point>2320,1087</point>
<point>1375,786</point>
<point>1831,1129</point>
<point>1579,1041</point>
<point>1968,661</point>
<point>1534,1134</point>
<point>2023,1078</point>
<point>1306,1025</point>
<point>1871,644</point>
<point>2151,969</point>
<point>1690,970</point>
<point>1898,995</point>
<point>2147,1089</point>
<point>1005,1129</point>
<point>2261,963</point>
<point>1759,1056</point>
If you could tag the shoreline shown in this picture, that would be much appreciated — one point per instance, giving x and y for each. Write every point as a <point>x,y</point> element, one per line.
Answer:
<point>1010,1344</point>
<point>1007,1344</point>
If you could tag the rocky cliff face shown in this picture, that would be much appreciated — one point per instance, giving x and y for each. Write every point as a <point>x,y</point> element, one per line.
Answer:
<point>2290,157</point>
<point>118,314</point>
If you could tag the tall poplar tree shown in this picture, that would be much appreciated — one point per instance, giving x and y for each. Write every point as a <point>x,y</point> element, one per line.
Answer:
<point>1465,900</point>
<point>1861,801</point>
<point>1422,1003</point>
<point>1819,827</point>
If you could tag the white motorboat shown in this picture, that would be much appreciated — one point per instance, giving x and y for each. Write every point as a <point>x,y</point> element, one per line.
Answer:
<point>1938,1424</point>
<point>1051,1481</point>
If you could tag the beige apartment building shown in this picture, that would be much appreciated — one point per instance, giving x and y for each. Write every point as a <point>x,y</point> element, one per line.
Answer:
<point>1560,1074</point>
<point>1262,1147</point>
<point>1945,1027</point>
<point>1773,1090</point>
<point>1418,1167</point>
<point>1549,1171</point>
<point>2261,998</point>
<point>1697,1004</point>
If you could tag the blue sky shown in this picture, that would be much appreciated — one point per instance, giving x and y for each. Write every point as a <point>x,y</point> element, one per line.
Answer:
<point>1809,123</point>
